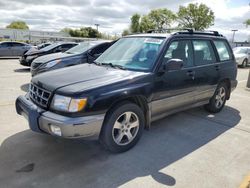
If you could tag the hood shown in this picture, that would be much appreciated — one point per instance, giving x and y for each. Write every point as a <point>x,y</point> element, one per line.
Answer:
<point>82,77</point>
<point>239,55</point>
<point>51,57</point>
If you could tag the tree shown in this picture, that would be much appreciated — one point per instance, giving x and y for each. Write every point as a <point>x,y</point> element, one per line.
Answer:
<point>146,24</point>
<point>83,32</point>
<point>196,16</point>
<point>18,25</point>
<point>247,22</point>
<point>160,18</point>
<point>135,23</point>
<point>125,32</point>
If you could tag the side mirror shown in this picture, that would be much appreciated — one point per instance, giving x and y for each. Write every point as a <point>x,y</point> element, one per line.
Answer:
<point>173,65</point>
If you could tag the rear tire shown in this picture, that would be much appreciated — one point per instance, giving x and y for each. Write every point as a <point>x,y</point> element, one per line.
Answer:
<point>217,102</point>
<point>122,127</point>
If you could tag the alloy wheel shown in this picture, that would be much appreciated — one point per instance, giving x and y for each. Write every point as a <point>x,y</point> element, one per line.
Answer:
<point>125,128</point>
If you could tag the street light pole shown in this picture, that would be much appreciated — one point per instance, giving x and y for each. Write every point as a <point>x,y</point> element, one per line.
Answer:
<point>97,26</point>
<point>234,31</point>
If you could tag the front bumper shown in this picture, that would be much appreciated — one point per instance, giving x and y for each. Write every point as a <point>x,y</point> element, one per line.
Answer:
<point>25,62</point>
<point>43,121</point>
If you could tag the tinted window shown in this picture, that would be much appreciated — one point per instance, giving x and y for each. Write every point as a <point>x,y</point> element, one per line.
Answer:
<point>6,44</point>
<point>100,49</point>
<point>181,50</point>
<point>223,50</point>
<point>17,44</point>
<point>203,52</point>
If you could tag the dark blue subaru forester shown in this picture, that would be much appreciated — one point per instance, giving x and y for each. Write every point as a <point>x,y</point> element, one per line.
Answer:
<point>139,79</point>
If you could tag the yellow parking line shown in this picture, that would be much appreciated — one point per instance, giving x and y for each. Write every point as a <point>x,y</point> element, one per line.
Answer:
<point>246,182</point>
<point>6,103</point>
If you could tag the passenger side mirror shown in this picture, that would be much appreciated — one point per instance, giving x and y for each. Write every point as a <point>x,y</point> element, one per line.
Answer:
<point>173,65</point>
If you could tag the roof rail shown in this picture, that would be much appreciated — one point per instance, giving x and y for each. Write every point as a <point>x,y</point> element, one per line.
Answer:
<point>209,32</point>
<point>169,29</point>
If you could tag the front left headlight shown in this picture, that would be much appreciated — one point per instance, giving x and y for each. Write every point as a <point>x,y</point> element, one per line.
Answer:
<point>52,63</point>
<point>68,104</point>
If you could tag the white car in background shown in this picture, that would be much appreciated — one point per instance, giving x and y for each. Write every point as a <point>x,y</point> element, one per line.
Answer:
<point>242,56</point>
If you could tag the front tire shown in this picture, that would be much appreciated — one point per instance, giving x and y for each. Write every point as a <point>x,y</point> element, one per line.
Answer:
<point>217,102</point>
<point>122,127</point>
<point>244,63</point>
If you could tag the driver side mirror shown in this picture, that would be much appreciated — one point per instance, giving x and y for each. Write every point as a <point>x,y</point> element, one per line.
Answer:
<point>173,65</point>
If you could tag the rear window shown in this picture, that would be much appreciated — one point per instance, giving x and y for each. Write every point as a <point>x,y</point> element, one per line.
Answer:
<point>223,50</point>
<point>203,52</point>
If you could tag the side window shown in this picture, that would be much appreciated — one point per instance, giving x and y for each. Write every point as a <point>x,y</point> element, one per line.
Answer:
<point>203,52</point>
<point>180,50</point>
<point>6,44</point>
<point>100,49</point>
<point>223,50</point>
<point>17,44</point>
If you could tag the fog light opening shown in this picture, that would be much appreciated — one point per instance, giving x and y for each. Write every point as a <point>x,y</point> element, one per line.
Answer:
<point>56,130</point>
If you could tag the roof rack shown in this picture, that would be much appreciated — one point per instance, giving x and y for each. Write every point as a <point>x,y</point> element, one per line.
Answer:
<point>186,31</point>
<point>208,32</point>
<point>170,29</point>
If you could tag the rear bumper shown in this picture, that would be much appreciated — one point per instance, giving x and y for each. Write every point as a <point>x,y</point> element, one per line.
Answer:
<point>45,121</point>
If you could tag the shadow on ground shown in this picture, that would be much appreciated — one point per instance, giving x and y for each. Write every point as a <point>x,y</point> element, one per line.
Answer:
<point>22,70</point>
<point>25,87</point>
<point>77,163</point>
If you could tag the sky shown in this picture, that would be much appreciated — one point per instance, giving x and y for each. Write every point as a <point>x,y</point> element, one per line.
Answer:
<point>114,16</point>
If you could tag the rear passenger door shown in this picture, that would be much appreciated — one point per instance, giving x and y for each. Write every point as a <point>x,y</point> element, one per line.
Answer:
<point>207,72</point>
<point>18,49</point>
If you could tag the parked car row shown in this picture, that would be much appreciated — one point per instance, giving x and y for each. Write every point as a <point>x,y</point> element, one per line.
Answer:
<point>137,80</point>
<point>9,49</point>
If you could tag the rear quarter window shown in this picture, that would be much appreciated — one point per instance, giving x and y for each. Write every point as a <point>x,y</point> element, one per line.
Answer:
<point>223,50</point>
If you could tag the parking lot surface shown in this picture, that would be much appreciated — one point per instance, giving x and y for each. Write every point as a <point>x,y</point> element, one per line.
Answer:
<point>188,149</point>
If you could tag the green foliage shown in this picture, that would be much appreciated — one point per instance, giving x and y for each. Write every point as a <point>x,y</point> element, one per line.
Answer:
<point>146,24</point>
<point>87,32</point>
<point>196,16</point>
<point>125,32</point>
<point>247,22</point>
<point>161,18</point>
<point>135,23</point>
<point>156,19</point>
<point>17,25</point>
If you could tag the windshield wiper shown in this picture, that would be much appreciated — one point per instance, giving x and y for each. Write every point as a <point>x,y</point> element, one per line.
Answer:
<point>114,65</point>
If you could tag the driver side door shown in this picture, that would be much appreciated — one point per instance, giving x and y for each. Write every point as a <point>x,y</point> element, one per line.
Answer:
<point>175,89</point>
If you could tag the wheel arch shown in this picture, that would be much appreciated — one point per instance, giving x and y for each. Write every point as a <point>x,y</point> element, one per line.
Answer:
<point>139,100</point>
<point>228,84</point>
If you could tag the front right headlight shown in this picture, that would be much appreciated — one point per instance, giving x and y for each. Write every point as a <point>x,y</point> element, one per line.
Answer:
<point>52,63</point>
<point>68,104</point>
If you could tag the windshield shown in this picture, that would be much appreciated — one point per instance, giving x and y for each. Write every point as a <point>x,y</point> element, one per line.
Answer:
<point>240,50</point>
<point>133,53</point>
<point>50,47</point>
<point>82,47</point>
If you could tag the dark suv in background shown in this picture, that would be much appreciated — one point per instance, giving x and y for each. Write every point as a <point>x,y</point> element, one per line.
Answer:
<point>139,79</point>
<point>34,53</point>
<point>85,52</point>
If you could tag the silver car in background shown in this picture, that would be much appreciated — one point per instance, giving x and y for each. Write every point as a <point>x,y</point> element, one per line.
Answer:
<point>242,56</point>
<point>8,49</point>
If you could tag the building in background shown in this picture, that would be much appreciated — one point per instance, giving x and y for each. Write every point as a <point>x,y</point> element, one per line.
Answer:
<point>35,37</point>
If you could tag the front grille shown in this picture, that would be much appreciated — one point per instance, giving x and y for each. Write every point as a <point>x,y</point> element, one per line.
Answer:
<point>39,96</point>
<point>35,65</point>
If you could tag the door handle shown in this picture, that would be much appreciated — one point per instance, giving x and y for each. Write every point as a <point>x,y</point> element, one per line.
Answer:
<point>217,67</point>
<point>191,73</point>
